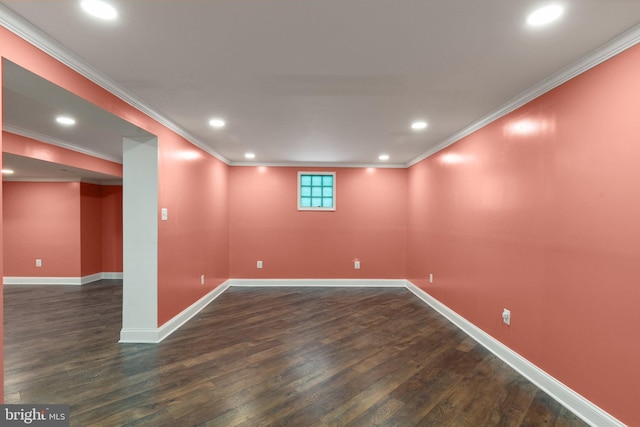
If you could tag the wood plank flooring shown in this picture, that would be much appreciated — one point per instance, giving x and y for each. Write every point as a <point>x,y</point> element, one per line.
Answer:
<point>263,357</point>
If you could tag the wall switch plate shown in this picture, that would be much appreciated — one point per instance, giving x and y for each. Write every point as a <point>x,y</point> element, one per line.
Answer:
<point>356,265</point>
<point>506,317</point>
<point>202,279</point>
<point>165,214</point>
<point>430,278</point>
<point>38,263</point>
<point>259,264</point>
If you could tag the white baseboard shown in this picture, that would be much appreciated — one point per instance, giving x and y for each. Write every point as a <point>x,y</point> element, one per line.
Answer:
<point>139,336</point>
<point>75,281</point>
<point>358,283</point>
<point>156,335</point>
<point>90,278</point>
<point>573,401</point>
<point>112,275</point>
<point>182,318</point>
<point>583,408</point>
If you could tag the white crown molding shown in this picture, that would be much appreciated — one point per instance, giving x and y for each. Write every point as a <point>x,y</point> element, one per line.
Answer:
<point>9,178</point>
<point>615,46</point>
<point>21,27</point>
<point>583,408</point>
<point>16,130</point>
<point>27,31</point>
<point>320,165</point>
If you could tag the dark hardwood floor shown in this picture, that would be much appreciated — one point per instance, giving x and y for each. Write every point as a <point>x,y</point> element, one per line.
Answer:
<point>263,357</point>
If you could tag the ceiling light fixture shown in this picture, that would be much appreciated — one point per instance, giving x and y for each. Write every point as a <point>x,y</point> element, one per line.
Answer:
<point>100,9</point>
<point>383,157</point>
<point>217,123</point>
<point>7,171</point>
<point>545,15</point>
<point>250,156</point>
<point>419,125</point>
<point>66,120</point>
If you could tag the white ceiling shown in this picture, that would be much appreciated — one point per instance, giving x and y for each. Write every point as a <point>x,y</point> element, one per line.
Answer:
<point>28,169</point>
<point>331,81</point>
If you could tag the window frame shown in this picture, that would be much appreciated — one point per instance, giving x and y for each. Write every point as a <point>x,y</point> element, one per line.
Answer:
<point>316,208</point>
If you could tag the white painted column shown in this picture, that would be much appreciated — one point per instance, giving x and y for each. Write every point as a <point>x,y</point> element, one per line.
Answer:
<point>140,240</point>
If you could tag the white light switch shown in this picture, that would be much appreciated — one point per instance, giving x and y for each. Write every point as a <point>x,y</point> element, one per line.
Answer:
<point>259,264</point>
<point>506,317</point>
<point>38,263</point>
<point>165,214</point>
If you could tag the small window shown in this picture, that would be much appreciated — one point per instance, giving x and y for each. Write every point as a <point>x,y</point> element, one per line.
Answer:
<point>316,191</point>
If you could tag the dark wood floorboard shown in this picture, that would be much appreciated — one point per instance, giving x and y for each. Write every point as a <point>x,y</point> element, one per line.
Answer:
<point>263,357</point>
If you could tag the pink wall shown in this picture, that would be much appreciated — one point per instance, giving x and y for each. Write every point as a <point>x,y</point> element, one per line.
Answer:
<point>538,212</point>
<point>27,147</point>
<point>370,223</point>
<point>41,221</point>
<point>194,187</point>
<point>111,228</point>
<point>75,228</point>
<point>90,229</point>
<point>1,246</point>
<point>195,244</point>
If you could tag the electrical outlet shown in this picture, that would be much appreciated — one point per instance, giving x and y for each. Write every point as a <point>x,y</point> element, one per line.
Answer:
<point>38,263</point>
<point>356,265</point>
<point>259,264</point>
<point>202,279</point>
<point>506,317</point>
<point>430,278</point>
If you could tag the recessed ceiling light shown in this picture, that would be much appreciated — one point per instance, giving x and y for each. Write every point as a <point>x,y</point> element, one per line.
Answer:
<point>66,120</point>
<point>100,9</point>
<point>383,157</point>
<point>217,123</point>
<point>419,125</point>
<point>7,171</point>
<point>249,156</point>
<point>545,15</point>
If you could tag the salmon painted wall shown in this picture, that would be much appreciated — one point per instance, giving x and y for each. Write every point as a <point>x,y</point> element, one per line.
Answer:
<point>111,228</point>
<point>1,244</point>
<point>28,147</point>
<point>194,187</point>
<point>81,224</point>
<point>186,248</point>
<point>370,224</point>
<point>538,213</point>
<point>90,229</point>
<point>41,221</point>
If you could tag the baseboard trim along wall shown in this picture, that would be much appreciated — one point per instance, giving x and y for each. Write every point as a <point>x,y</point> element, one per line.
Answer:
<point>573,401</point>
<point>156,335</point>
<point>357,283</point>
<point>583,408</point>
<point>74,281</point>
